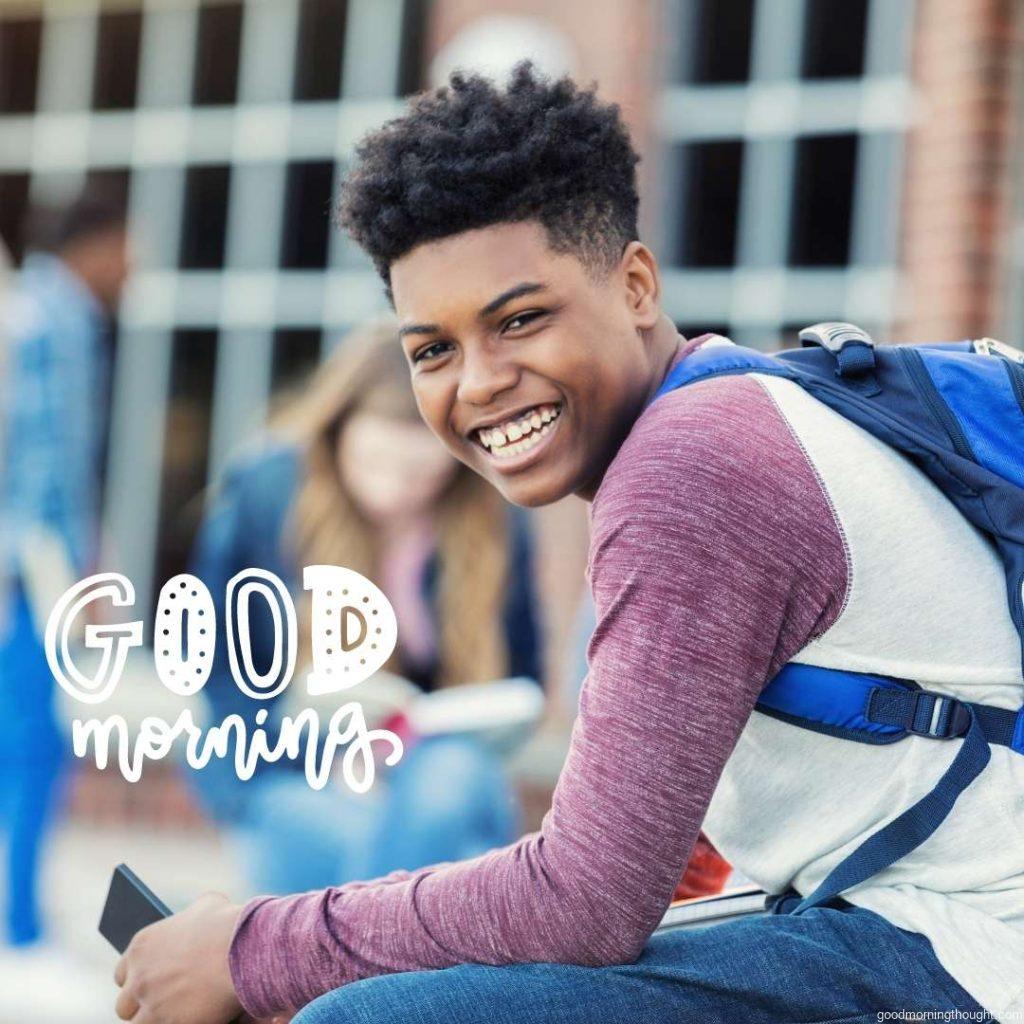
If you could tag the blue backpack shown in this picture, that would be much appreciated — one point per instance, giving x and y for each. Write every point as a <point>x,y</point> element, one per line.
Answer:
<point>956,410</point>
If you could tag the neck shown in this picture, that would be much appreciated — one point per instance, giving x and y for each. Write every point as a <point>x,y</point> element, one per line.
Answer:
<point>395,532</point>
<point>663,343</point>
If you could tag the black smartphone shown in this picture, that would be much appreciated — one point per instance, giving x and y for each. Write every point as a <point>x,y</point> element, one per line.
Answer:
<point>131,906</point>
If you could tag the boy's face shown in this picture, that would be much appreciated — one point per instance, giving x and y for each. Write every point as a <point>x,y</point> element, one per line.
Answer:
<point>529,369</point>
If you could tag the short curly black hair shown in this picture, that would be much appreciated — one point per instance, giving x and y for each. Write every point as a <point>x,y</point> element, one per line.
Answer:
<point>471,154</point>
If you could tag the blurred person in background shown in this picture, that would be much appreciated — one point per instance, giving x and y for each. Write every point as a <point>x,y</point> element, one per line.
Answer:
<point>6,318</point>
<point>53,423</point>
<point>353,477</point>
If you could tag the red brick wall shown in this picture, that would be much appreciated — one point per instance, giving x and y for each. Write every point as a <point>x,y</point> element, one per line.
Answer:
<point>614,42</point>
<point>958,174</point>
<point>160,799</point>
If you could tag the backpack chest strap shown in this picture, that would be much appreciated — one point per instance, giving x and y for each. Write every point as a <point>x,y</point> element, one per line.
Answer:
<point>922,713</point>
<point>880,709</point>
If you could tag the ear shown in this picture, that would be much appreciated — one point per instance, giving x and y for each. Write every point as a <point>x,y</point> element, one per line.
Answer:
<point>643,284</point>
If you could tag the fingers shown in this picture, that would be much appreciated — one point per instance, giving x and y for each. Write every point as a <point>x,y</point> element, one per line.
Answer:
<point>127,1006</point>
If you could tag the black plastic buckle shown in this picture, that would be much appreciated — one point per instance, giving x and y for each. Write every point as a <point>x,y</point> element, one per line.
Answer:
<point>946,717</point>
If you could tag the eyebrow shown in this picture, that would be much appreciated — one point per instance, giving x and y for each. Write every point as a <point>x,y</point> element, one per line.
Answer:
<point>515,292</point>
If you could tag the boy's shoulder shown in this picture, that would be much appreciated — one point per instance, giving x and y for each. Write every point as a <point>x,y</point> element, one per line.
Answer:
<point>713,475</point>
<point>708,438</point>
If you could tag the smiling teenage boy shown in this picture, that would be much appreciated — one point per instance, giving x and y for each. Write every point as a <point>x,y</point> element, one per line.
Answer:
<point>736,525</point>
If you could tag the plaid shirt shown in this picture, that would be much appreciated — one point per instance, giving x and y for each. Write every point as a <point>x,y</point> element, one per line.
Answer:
<point>53,404</point>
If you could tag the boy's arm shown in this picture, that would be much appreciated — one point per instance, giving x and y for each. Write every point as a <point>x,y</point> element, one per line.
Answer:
<point>715,559</point>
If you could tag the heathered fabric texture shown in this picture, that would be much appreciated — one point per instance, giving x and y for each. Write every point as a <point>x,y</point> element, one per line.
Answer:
<point>714,559</point>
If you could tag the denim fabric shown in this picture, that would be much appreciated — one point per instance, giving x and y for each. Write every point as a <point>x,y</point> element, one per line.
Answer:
<point>53,412</point>
<point>824,967</point>
<point>31,762</point>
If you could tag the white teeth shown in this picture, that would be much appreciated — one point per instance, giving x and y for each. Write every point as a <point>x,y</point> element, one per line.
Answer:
<point>519,435</point>
<point>531,441</point>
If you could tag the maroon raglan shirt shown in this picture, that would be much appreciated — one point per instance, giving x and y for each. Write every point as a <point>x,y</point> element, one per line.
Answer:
<point>714,559</point>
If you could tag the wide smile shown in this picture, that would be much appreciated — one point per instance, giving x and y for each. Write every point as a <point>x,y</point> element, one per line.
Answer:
<point>519,442</point>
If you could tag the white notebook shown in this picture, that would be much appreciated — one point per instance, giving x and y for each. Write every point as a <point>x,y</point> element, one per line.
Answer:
<point>742,901</point>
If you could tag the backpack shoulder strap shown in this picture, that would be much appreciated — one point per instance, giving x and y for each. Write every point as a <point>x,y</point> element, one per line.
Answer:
<point>840,350</point>
<point>719,357</point>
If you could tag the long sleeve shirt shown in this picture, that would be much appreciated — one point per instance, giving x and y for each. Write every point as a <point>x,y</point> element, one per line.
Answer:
<point>714,559</point>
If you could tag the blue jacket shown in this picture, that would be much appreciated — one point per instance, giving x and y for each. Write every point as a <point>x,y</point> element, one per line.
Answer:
<point>52,410</point>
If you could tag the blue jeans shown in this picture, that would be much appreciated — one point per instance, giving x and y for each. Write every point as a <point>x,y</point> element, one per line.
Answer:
<point>825,966</point>
<point>447,799</point>
<point>31,763</point>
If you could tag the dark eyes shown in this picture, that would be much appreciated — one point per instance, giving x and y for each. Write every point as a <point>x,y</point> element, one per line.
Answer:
<point>426,353</point>
<point>514,323</point>
<point>521,319</point>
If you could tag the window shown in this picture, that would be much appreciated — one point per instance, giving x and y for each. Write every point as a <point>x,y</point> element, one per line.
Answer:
<point>307,210</point>
<point>112,182</point>
<point>318,50</point>
<point>186,446</point>
<point>116,75</point>
<point>218,49</point>
<point>690,331</point>
<point>19,65</point>
<point>413,46</point>
<point>834,33</point>
<point>789,334</point>
<point>204,218</point>
<point>710,191</point>
<point>13,210</point>
<point>719,44</point>
<point>296,356</point>
<point>823,200</point>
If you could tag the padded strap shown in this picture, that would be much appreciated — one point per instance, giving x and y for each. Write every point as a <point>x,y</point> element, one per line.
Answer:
<point>717,357</point>
<point>880,709</point>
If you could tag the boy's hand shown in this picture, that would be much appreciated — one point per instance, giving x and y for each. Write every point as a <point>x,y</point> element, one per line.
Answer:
<point>176,971</point>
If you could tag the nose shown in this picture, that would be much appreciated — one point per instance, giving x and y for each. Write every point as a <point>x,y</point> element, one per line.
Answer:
<point>484,376</point>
